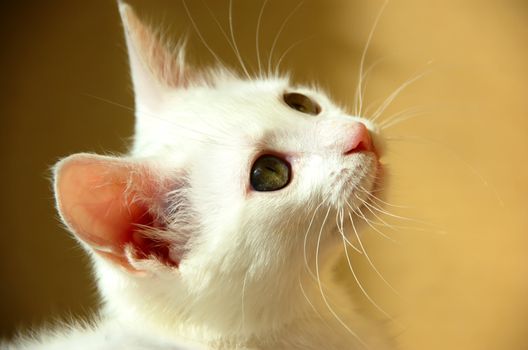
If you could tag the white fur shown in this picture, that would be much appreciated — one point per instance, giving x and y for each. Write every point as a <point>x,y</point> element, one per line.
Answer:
<point>243,283</point>
<point>240,280</point>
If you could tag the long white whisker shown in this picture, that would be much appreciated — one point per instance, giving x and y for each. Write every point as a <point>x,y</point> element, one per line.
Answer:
<point>374,197</point>
<point>231,31</point>
<point>359,92</point>
<point>310,302</point>
<point>257,36</point>
<point>321,286</point>
<point>372,105</point>
<point>343,235</point>
<point>224,34</point>
<point>402,119</point>
<point>306,240</point>
<point>243,301</point>
<point>287,51</point>
<point>401,116</point>
<point>451,152</point>
<point>395,94</point>
<point>359,283</point>
<point>281,28</point>
<point>431,229</point>
<point>364,87</point>
<point>339,218</point>
<point>393,227</point>
<point>360,214</point>
<point>369,205</point>
<point>372,265</point>
<point>199,33</point>
<point>373,203</point>
<point>407,110</point>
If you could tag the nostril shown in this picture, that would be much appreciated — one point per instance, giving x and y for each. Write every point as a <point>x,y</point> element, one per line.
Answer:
<point>358,140</point>
<point>362,146</point>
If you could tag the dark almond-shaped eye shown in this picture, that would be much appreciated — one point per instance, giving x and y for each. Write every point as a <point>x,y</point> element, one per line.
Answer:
<point>269,173</point>
<point>301,103</point>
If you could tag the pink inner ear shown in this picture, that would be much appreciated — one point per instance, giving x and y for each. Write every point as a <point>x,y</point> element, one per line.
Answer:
<point>97,198</point>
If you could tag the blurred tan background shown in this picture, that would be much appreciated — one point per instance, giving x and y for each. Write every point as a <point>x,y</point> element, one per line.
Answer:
<point>461,167</point>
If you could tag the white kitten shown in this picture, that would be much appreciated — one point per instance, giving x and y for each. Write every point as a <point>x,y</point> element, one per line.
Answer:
<point>219,228</point>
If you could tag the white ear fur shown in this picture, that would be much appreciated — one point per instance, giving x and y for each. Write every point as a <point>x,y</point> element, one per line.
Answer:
<point>154,67</point>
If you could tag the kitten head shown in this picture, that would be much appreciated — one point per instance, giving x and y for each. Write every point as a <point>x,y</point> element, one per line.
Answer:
<point>232,186</point>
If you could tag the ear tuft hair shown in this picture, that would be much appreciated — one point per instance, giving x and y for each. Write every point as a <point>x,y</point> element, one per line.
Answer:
<point>115,207</point>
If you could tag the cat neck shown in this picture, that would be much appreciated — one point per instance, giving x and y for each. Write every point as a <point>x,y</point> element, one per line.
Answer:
<point>260,324</point>
<point>245,312</point>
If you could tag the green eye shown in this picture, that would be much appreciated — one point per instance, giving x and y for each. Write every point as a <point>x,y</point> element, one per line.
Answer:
<point>301,103</point>
<point>269,173</point>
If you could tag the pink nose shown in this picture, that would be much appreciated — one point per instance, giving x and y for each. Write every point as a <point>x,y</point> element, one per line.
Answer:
<point>358,139</point>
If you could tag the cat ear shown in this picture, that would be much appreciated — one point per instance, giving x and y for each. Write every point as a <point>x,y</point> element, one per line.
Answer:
<point>112,205</point>
<point>154,68</point>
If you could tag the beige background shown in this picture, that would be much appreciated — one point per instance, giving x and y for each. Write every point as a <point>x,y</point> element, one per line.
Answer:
<point>461,167</point>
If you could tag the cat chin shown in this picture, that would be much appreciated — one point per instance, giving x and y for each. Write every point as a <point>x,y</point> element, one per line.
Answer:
<point>352,185</point>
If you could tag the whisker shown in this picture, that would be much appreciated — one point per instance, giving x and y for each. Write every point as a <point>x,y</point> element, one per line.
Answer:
<point>374,197</point>
<point>399,117</point>
<point>237,51</point>
<point>281,28</point>
<point>393,227</point>
<point>364,87</point>
<point>257,36</point>
<point>372,105</point>
<point>224,34</point>
<point>243,302</point>
<point>287,51</point>
<point>359,93</point>
<point>375,204</point>
<point>310,302</point>
<point>200,36</point>
<point>344,237</point>
<point>402,119</point>
<point>370,261</point>
<point>380,309</point>
<point>368,205</point>
<point>232,44</point>
<point>395,94</point>
<point>321,286</point>
<point>452,153</point>
<point>360,214</point>
<point>306,239</point>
